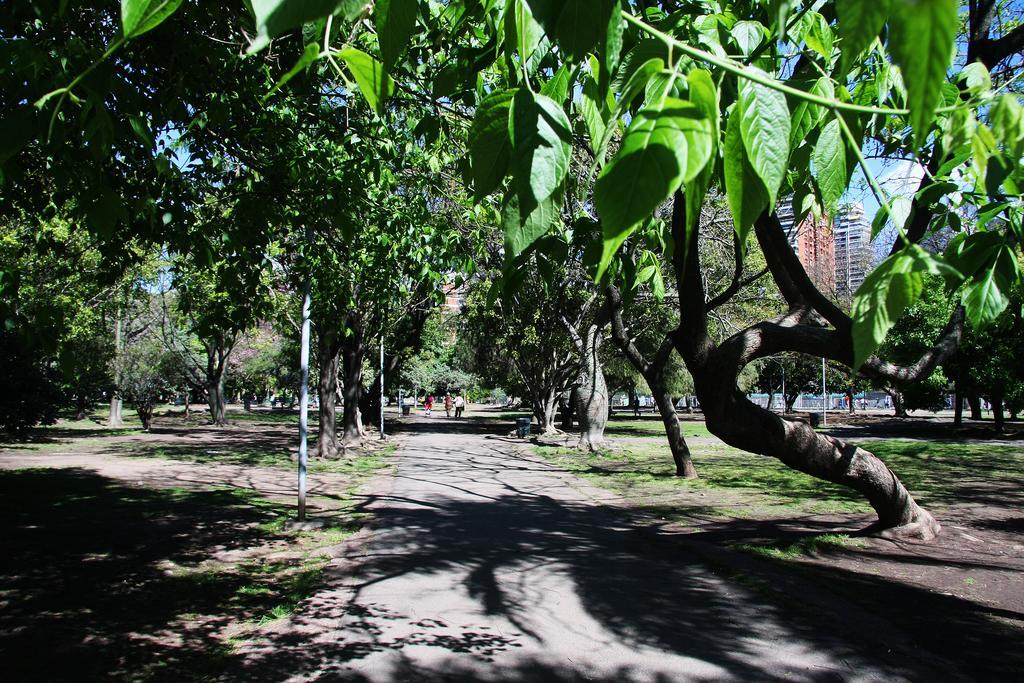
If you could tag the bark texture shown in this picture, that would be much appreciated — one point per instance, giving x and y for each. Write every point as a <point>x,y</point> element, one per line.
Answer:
<point>591,392</point>
<point>812,325</point>
<point>653,372</point>
<point>352,353</point>
<point>328,351</point>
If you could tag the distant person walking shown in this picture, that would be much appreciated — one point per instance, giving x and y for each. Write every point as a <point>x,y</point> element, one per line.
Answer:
<point>448,405</point>
<point>428,404</point>
<point>460,405</point>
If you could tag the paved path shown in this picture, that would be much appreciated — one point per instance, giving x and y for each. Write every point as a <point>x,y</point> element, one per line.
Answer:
<point>490,565</point>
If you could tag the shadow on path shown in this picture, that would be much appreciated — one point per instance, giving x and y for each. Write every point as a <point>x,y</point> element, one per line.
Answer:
<point>540,573</point>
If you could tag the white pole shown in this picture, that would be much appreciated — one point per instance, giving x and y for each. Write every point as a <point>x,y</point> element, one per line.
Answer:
<point>382,386</point>
<point>824,395</point>
<point>304,399</point>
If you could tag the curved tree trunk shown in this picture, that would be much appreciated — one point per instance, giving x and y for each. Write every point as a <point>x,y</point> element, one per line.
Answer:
<point>734,419</point>
<point>653,372</point>
<point>327,388</point>
<point>591,392</point>
<point>676,442</point>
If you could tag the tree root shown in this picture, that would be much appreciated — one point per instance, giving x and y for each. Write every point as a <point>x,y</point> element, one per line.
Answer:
<point>924,528</point>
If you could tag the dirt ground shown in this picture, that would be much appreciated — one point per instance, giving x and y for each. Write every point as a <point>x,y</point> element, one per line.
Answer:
<point>976,563</point>
<point>180,516</point>
<point>143,556</point>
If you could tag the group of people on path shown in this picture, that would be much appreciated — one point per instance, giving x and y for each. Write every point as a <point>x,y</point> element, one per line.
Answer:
<point>457,402</point>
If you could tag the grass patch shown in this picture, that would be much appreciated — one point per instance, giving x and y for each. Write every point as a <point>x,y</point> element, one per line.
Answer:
<point>85,554</point>
<point>811,545</point>
<point>653,427</point>
<point>363,461</point>
<point>937,473</point>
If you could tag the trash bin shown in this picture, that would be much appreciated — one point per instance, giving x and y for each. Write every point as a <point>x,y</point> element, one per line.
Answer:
<point>406,409</point>
<point>523,426</point>
<point>815,419</point>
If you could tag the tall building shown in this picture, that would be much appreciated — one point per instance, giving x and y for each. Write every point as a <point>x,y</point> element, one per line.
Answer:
<point>853,256</point>
<point>813,242</point>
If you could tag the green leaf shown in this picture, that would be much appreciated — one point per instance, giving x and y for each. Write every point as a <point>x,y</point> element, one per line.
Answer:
<point>746,193</point>
<point>557,88</point>
<point>806,115</point>
<point>764,128</point>
<point>541,147</point>
<point>309,55</point>
<point>983,299</point>
<point>818,35</point>
<point>658,285</point>
<point>139,16</point>
<point>666,145</point>
<point>375,85</point>
<point>522,32</point>
<point>489,142</point>
<point>523,230</point>
<point>921,41</point>
<point>592,111</point>
<point>274,17</point>
<point>887,292</point>
<point>575,26</point>
<point>830,165</point>
<point>859,23</point>
<point>610,48</point>
<point>704,94</point>
<point>395,21</point>
<point>633,87</point>
<point>748,35</point>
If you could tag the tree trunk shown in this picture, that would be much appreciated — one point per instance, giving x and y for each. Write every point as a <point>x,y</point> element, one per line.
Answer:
<point>215,399</point>
<point>676,442</point>
<point>790,401</point>
<point>352,389</point>
<point>997,412</point>
<point>218,350</point>
<point>188,402</point>
<point>592,392</point>
<point>732,417</point>
<point>115,419</point>
<point>744,425</point>
<point>327,388</point>
<point>81,405</point>
<point>771,401</point>
<point>545,408</point>
<point>567,408</point>
<point>958,404</point>
<point>899,409</point>
<point>145,415</point>
<point>974,401</point>
<point>849,401</point>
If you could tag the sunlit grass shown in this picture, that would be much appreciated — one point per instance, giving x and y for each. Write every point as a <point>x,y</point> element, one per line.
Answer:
<point>935,473</point>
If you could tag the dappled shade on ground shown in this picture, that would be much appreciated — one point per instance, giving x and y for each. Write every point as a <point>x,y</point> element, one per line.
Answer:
<point>104,580</point>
